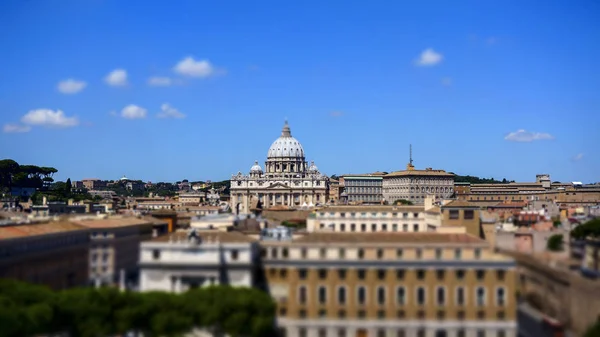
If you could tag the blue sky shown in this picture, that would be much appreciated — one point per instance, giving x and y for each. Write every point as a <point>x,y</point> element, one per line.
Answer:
<point>168,90</point>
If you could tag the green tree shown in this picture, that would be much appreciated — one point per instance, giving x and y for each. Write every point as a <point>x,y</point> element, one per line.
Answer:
<point>403,202</point>
<point>8,168</point>
<point>593,331</point>
<point>555,243</point>
<point>29,310</point>
<point>588,229</point>
<point>68,187</point>
<point>25,309</point>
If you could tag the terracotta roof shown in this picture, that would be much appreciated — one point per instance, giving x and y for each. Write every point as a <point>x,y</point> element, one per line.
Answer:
<point>373,208</point>
<point>509,204</point>
<point>460,204</point>
<point>111,222</point>
<point>390,237</point>
<point>434,210</point>
<point>430,173</point>
<point>16,231</point>
<point>155,221</point>
<point>207,236</point>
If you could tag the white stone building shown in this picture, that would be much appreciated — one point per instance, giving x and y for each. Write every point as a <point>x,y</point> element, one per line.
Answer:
<point>367,219</point>
<point>287,179</point>
<point>182,261</point>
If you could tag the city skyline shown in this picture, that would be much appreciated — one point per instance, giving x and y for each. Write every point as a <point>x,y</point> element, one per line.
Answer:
<point>503,91</point>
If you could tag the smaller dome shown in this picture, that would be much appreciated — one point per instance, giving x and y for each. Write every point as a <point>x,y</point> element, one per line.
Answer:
<point>313,168</point>
<point>256,168</point>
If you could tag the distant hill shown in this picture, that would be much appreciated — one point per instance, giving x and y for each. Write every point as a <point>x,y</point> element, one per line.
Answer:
<point>476,180</point>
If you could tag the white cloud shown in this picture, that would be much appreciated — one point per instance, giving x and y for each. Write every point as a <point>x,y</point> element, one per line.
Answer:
<point>169,112</point>
<point>190,67</point>
<point>71,86</point>
<point>133,111</point>
<point>116,78</point>
<point>429,57</point>
<point>578,157</point>
<point>160,81</point>
<point>526,136</point>
<point>15,128</point>
<point>446,81</point>
<point>47,117</point>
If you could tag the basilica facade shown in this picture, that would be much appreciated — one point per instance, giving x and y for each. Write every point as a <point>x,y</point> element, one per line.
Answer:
<point>287,179</point>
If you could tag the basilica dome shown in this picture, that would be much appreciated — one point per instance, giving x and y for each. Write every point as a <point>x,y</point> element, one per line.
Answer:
<point>256,168</point>
<point>286,146</point>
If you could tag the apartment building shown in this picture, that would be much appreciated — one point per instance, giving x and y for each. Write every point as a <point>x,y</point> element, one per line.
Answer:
<point>115,247</point>
<point>51,253</point>
<point>362,188</point>
<point>187,260</point>
<point>563,194</point>
<point>366,219</point>
<point>548,287</point>
<point>454,216</point>
<point>416,185</point>
<point>92,184</point>
<point>390,284</point>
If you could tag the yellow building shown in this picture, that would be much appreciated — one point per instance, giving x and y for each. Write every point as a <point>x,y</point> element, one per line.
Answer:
<point>390,284</point>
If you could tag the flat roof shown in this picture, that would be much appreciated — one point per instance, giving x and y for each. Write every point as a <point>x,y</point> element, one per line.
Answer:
<point>374,208</point>
<point>391,237</point>
<point>113,222</point>
<point>431,173</point>
<point>206,236</point>
<point>17,231</point>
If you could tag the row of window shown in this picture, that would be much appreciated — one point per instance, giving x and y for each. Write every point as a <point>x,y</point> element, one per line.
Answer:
<point>430,181</point>
<point>421,332</point>
<point>381,274</point>
<point>364,214</point>
<point>374,227</point>
<point>401,295</point>
<point>360,253</point>
<point>417,189</point>
<point>400,314</point>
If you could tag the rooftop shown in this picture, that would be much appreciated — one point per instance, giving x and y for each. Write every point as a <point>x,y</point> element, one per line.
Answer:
<point>460,204</point>
<point>434,210</point>
<point>206,236</point>
<point>112,222</point>
<point>17,231</point>
<point>374,208</point>
<point>427,172</point>
<point>391,237</point>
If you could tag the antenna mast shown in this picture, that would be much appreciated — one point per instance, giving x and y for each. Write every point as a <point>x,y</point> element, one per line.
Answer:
<point>410,154</point>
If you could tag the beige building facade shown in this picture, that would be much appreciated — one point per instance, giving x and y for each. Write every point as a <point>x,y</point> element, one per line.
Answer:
<point>416,185</point>
<point>286,181</point>
<point>390,284</point>
<point>115,247</point>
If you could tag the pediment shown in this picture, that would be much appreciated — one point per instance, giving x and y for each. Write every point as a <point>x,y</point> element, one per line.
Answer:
<point>278,186</point>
